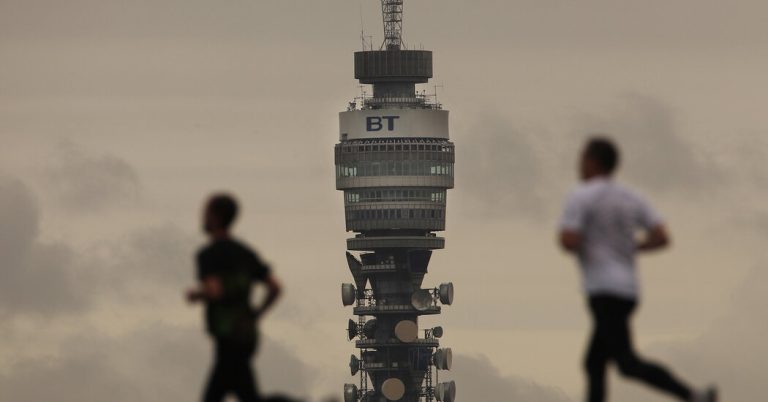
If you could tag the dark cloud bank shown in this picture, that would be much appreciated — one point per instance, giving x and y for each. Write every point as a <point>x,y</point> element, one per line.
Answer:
<point>477,380</point>
<point>51,278</point>
<point>656,155</point>
<point>161,363</point>
<point>732,353</point>
<point>85,182</point>
<point>37,276</point>
<point>511,172</point>
<point>156,362</point>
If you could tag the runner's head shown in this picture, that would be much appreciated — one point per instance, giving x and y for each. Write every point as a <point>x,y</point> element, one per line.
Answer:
<point>219,214</point>
<point>599,158</point>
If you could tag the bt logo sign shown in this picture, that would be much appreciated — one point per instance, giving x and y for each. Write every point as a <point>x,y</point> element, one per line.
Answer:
<point>376,123</point>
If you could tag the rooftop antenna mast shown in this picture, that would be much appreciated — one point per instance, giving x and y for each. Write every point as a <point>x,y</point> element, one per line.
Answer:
<point>392,10</point>
<point>366,40</point>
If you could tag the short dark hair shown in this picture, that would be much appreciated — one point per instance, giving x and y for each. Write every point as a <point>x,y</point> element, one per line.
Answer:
<point>603,151</point>
<point>224,206</point>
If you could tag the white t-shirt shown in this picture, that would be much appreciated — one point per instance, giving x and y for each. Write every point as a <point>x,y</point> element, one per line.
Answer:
<point>608,216</point>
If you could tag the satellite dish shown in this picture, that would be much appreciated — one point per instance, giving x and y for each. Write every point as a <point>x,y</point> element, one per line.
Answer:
<point>350,393</point>
<point>443,359</point>
<point>440,392</point>
<point>446,391</point>
<point>436,357</point>
<point>450,391</point>
<point>348,294</point>
<point>369,329</point>
<point>354,364</point>
<point>393,389</point>
<point>351,329</point>
<point>407,331</point>
<point>421,300</point>
<point>446,293</point>
<point>447,359</point>
<point>437,332</point>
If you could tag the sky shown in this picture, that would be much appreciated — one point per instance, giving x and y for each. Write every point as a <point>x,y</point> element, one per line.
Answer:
<point>118,118</point>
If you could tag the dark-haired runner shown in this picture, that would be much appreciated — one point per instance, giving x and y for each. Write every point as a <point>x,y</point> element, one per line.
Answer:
<point>227,271</point>
<point>599,225</point>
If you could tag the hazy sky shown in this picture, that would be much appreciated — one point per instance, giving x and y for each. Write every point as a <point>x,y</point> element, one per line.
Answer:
<point>118,118</point>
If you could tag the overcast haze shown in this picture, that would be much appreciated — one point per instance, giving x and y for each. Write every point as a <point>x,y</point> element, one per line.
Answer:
<point>118,118</point>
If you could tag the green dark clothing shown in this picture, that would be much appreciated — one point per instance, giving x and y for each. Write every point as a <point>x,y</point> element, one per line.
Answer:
<point>238,268</point>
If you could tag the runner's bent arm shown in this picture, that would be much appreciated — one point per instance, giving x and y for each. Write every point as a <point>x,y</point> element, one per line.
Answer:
<point>656,238</point>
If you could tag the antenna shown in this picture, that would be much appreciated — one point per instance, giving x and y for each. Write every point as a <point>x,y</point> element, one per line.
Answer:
<point>392,11</point>
<point>362,26</point>
<point>366,44</point>
<point>437,86</point>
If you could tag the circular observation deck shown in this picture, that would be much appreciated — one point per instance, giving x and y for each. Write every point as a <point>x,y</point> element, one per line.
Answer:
<point>400,162</point>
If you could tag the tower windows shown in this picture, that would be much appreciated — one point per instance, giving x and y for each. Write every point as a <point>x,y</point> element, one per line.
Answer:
<point>394,218</point>
<point>430,195</point>
<point>394,168</point>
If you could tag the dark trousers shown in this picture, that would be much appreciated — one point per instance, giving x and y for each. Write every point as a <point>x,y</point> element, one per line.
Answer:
<point>232,372</point>
<point>612,341</point>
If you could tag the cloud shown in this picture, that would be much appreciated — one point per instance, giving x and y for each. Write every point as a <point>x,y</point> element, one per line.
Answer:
<point>142,266</point>
<point>731,353</point>
<point>501,171</point>
<point>508,171</point>
<point>86,182</point>
<point>655,155</point>
<point>157,363</point>
<point>150,359</point>
<point>37,276</point>
<point>50,278</point>
<point>477,380</point>
<point>82,376</point>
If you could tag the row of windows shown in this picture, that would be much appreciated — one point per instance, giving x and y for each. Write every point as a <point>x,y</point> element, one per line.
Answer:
<point>396,147</point>
<point>370,214</point>
<point>340,158</point>
<point>354,196</point>
<point>395,168</point>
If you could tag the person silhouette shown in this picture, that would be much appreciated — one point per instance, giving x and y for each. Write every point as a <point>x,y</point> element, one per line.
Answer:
<point>599,224</point>
<point>227,270</point>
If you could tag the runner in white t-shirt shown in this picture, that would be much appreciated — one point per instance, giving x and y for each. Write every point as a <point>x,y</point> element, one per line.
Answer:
<point>600,225</point>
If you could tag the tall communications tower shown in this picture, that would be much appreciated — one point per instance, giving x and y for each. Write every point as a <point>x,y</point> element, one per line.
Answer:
<point>394,163</point>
